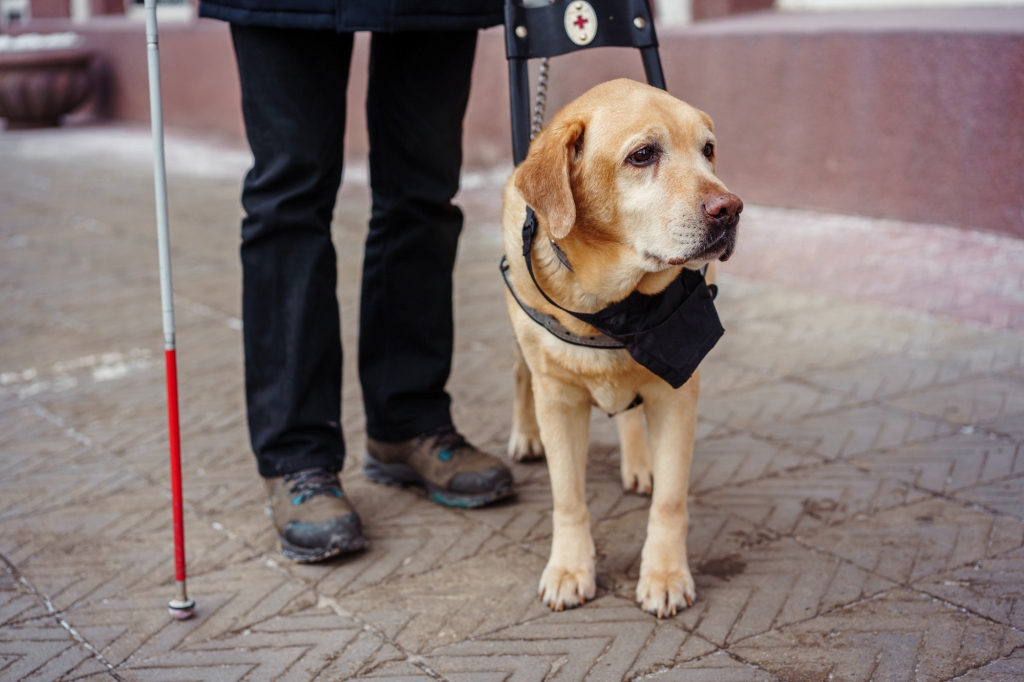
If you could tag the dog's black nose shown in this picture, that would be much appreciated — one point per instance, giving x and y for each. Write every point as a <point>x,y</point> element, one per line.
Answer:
<point>723,209</point>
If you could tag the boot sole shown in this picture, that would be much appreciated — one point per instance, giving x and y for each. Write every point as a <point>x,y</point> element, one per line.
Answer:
<point>401,475</point>
<point>308,555</point>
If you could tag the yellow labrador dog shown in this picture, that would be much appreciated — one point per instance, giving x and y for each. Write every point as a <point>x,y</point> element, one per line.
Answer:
<point>623,184</point>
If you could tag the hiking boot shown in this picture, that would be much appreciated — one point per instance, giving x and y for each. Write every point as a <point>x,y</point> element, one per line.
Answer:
<point>314,520</point>
<point>454,472</point>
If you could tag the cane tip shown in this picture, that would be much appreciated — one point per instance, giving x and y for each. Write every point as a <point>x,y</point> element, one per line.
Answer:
<point>181,610</point>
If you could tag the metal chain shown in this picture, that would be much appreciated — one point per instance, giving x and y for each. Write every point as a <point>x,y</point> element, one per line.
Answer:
<point>541,100</point>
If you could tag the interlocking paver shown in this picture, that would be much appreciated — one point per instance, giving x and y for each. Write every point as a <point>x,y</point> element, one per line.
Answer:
<point>39,650</point>
<point>771,585</point>
<point>1005,496</point>
<point>737,459</point>
<point>885,375</point>
<point>669,646</point>
<point>1009,669</point>
<point>830,468</point>
<point>990,587</point>
<point>33,643</point>
<point>716,667</point>
<point>901,636</point>
<point>1011,425</point>
<point>949,464</point>
<point>907,543</point>
<point>768,347</point>
<point>713,534</point>
<point>449,605</point>
<point>767,403</point>
<point>611,640</point>
<point>718,376</point>
<point>809,498</point>
<point>979,402</point>
<point>855,430</point>
<point>790,246</point>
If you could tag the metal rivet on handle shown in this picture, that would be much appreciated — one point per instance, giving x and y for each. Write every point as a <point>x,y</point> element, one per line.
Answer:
<point>639,22</point>
<point>521,31</point>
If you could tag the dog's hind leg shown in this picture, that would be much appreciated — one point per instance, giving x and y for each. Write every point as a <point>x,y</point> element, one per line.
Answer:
<point>524,441</point>
<point>563,412</point>
<point>636,455</point>
<point>665,584</point>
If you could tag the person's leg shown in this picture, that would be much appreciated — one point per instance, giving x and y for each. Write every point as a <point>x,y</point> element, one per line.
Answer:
<point>293,100</point>
<point>419,87</point>
<point>418,90</point>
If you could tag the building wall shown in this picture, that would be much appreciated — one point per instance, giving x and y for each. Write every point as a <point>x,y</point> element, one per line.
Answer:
<point>713,9</point>
<point>910,115</point>
<point>48,9</point>
<point>919,125</point>
<point>846,5</point>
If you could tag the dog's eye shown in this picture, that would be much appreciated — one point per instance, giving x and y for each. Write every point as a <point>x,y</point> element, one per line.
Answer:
<point>709,150</point>
<point>643,156</point>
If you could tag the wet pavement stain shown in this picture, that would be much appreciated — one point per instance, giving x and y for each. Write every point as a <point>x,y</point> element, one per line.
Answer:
<point>724,568</point>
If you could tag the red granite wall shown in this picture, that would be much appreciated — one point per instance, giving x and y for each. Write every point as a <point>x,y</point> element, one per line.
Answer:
<point>713,9</point>
<point>49,9</point>
<point>102,7</point>
<point>198,73</point>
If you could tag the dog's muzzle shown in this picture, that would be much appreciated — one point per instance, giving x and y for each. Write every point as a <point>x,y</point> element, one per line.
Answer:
<point>722,216</point>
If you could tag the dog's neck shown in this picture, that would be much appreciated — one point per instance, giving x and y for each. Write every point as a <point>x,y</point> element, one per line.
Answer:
<point>602,272</point>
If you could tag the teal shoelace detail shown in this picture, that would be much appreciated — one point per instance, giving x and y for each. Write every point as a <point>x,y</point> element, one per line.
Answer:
<point>309,483</point>
<point>447,442</point>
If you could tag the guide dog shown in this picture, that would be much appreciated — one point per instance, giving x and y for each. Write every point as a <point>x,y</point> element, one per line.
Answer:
<point>622,181</point>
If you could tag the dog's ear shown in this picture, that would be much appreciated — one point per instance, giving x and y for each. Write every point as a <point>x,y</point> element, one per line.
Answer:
<point>543,178</point>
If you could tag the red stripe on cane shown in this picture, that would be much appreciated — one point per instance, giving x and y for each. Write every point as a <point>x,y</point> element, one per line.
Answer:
<point>175,443</point>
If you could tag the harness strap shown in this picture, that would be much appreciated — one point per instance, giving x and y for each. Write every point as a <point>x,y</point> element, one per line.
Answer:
<point>529,231</point>
<point>558,329</point>
<point>552,324</point>
<point>637,402</point>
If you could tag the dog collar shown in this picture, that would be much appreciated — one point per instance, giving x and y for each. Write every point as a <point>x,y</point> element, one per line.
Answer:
<point>552,324</point>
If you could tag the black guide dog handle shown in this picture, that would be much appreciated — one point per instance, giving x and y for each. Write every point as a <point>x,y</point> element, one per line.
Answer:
<point>652,67</point>
<point>534,32</point>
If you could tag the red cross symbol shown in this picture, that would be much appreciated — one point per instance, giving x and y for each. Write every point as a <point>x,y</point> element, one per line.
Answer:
<point>580,21</point>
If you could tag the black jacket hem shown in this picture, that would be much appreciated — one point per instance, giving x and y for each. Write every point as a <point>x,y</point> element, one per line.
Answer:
<point>246,17</point>
<point>327,21</point>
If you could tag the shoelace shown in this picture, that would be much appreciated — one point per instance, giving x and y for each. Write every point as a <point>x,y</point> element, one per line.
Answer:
<point>446,441</point>
<point>312,482</point>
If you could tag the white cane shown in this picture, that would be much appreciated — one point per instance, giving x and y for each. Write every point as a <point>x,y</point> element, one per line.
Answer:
<point>181,607</point>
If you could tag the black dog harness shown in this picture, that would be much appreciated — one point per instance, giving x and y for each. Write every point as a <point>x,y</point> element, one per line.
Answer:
<point>668,333</point>
<point>551,323</point>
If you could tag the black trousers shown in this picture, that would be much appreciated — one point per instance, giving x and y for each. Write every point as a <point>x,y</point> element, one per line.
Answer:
<point>293,100</point>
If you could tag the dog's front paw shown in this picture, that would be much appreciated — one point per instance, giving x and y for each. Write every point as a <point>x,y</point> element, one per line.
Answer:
<point>524,446</point>
<point>637,478</point>
<point>665,593</point>
<point>562,588</point>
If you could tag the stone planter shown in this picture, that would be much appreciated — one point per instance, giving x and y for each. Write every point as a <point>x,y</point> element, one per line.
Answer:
<point>38,86</point>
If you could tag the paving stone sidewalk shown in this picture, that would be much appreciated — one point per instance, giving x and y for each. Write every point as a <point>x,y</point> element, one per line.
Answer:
<point>857,497</point>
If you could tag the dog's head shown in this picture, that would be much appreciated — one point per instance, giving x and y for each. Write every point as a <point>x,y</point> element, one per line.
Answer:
<point>629,164</point>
